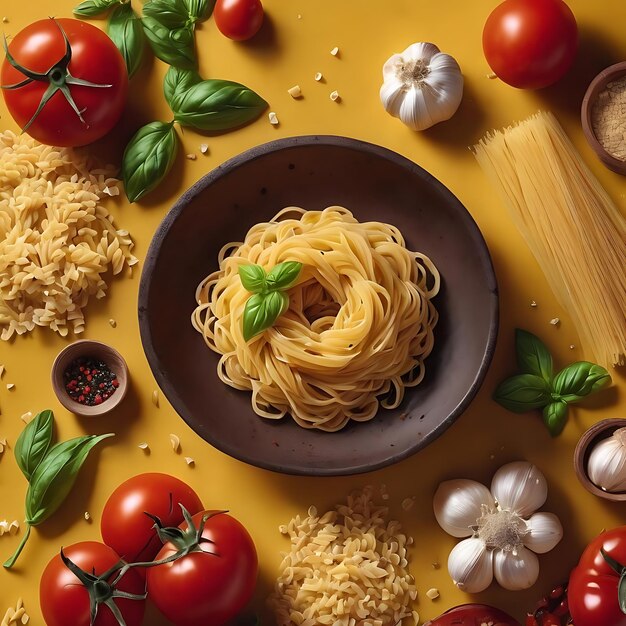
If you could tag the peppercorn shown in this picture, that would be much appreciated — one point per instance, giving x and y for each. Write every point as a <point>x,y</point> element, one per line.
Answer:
<point>90,381</point>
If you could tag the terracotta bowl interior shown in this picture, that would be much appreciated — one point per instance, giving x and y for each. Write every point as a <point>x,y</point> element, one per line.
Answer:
<point>315,172</point>
<point>608,75</point>
<point>590,438</point>
<point>94,349</point>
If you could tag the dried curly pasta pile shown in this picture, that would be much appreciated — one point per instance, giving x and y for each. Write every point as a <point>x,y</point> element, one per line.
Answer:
<point>347,567</point>
<point>57,240</point>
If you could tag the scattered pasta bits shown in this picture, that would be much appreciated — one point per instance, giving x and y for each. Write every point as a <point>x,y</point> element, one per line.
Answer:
<point>555,321</point>
<point>189,460</point>
<point>58,242</point>
<point>10,386</point>
<point>5,20</point>
<point>335,51</point>
<point>346,566</point>
<point>14,526</point>
<point>87,516</point>
<point>334,96</point>
<point>27,417</point>
<point>3,444</point>
<point>143,446</point>
<point>432,593</point>
<point>15,615</point>
<point>533,304</point>
<point>204,148</point>
<point>407,503</point>
<point>572,346</point>
<point>111,191</point>
<point>295,91</point>
<point>175,441</point>
<point>191,156</point>
<point>318,76</point>
<point>112,323</point>
<point>1,370</point>
<point>273,118</point>
<point>155,397</point>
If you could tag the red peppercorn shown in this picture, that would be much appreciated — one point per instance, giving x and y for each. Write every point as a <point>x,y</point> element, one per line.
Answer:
<point>89,378</point>
<point>115,383</point>
<point>531,620</point>
<point>81,398</point>
<point>98,399</point>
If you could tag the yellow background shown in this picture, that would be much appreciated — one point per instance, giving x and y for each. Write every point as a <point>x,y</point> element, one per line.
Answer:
<point>291,50</point>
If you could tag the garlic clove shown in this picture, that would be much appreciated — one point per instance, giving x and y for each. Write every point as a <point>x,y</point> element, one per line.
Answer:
<point>607,463</point>
<point>516,570</point>
<point>519,487</point>
<point>470,565</point>
<point>414,110</point>
<point>457,505</point>
<point>544,532</point>
<point>392,94</point>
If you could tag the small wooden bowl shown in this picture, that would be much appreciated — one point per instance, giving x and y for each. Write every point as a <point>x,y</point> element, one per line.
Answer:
<point>95,350</point>
<point>602,430</point>
<point>606,76</point>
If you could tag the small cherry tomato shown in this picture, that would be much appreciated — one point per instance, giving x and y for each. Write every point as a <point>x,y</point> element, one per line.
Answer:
<point>238,19</point>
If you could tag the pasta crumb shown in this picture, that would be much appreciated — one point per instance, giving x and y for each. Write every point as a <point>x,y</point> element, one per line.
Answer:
<point>155,398</point>
<point>295,91</point>
<point>555,321</point>
<point>334,96</point>
<point>335,51</point>
<point>143,446</point>
<point>175,442</point>
<point>432,594</point>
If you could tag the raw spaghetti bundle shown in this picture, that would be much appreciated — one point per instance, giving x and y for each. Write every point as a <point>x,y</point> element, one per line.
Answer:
<point>573,228</point>
<point>56,239</point>
<point>358,327</point>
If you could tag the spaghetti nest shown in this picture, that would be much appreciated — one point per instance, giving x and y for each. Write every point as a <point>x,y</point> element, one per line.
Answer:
<point>358,328</point>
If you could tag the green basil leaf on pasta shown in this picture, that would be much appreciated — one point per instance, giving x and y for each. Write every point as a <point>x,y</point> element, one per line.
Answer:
<point>34,442</point>
<point>261,311</point>
<point>148,158</point>
<point>93,8</point>
<point>533,357</point>
<point>555,416</point>
<point>177,81</point>
<point>170,13</point>
<point>199,9</point>
<point>126,32</point>
<point>579,380</point>
<point>174,46</point>
<point>253,278</point>
<point>523,393</point>
<point>217,105</point>
<point>55,476</point>
<point>283,275</point>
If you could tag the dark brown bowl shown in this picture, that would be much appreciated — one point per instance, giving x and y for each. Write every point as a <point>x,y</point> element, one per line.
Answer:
<point>314,172</point>
<point>97,350</point>
<point>606,76</point>
<point>599,431</point>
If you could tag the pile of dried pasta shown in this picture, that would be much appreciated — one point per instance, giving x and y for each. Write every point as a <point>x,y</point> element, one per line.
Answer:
<point>346,567</point>
<point>56,238</point>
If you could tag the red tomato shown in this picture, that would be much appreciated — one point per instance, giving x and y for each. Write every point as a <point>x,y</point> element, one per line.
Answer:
<point>65,601</point>
<point>211,586</point>
<point>592,590</point>
<point>238,19</point>
<point>128,530</point>
<point>94,58</point>
<point>530,44</point>
<point>473,615</point>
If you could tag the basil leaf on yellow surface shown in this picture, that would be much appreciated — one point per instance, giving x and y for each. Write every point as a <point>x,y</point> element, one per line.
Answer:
<point>34,442</point>
<point>175,46</point>
<point>169,13</point>
<point>199,9</point>
<point>522,393</point>
<point>176,83</point>
<point>579,380</point>
<point>93,8</point>
<point>216,105</point>
<point>126,32</point>
<point>533,357</point>
<point>148,158</point>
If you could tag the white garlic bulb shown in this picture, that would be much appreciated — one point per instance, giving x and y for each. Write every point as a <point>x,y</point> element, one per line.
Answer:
<point>503,534</point>
<point>422,86</point>
<point>607,463</point>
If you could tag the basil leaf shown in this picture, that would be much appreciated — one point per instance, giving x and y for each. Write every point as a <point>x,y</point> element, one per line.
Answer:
<point>555,416</point>
<point>261,311</point>
<point>283,275</point>
<point>33,443</point>
<point>252,278</point>
<point>173,46</point>
<point>127,34</point>
<point>199,9</point>
<point>579,379</point>
<point>92,8</point>
<point>55,476</point>
<point>170,13</point>
<point>523,393</point>
<point>176,83</point>
<point>148,158</point>
<point>218,105</point>
<point>532,355</point>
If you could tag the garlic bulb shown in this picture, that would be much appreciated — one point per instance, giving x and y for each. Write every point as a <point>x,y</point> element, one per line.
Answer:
<point>607,463</point>
<point>422,86</point>
<point>503,539</point>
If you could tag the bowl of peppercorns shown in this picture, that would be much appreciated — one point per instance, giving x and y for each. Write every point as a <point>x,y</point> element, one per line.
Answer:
<point>89,377</point>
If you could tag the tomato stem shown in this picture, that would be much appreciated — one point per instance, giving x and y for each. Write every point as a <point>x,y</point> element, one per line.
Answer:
<point>11,560</point>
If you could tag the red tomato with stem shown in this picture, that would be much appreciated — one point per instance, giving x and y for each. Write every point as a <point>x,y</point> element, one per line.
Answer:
<point>530,44</point>
<point>83,70</point>
<point>238,19</point>
<point>65,600</point>
<point>214,581</point>
<point>126,527</point>
<point>594,583</point>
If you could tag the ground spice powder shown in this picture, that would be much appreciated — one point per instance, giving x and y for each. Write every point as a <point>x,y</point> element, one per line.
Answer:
<point>608,118</point>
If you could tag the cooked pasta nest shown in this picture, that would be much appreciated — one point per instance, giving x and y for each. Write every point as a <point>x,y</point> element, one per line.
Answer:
<point>57,240</point>
<point>358,328</point>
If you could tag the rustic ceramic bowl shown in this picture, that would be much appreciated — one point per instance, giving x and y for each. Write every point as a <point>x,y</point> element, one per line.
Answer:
<point>97,350</point>
<point>598,432</point>
<point>606,76</point>
<point>315,172</point>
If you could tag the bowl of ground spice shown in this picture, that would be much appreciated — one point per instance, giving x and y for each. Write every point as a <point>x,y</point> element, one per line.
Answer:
<point>603,116</point>
<point>89,377</point>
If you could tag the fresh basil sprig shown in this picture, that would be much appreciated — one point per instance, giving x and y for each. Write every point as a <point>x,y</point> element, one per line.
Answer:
<point>176,83</point>
<point>126,32</point>
<point>93,8</point>
<point>269,300</point>
<point>148,158</point>
<point>174,46</point>
<point>536,387</point>
<point>50,471</point>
